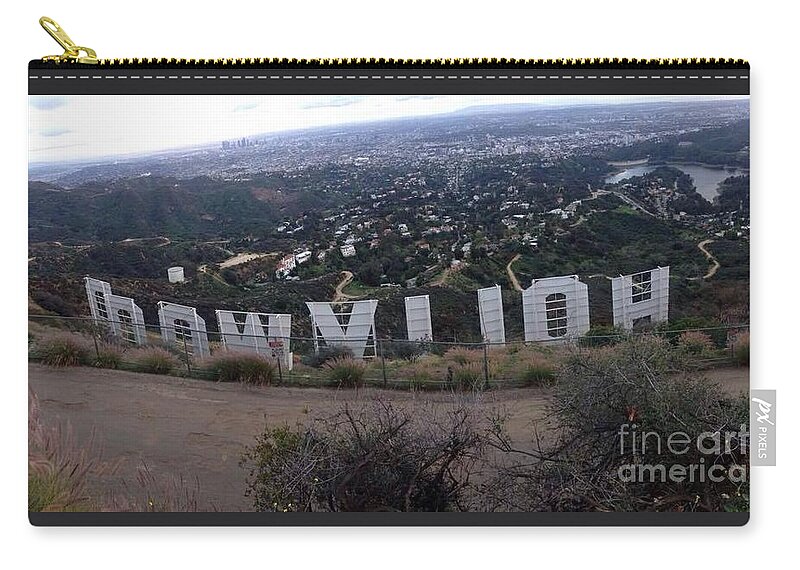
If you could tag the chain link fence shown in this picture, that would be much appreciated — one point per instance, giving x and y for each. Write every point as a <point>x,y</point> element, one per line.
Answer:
<point>394,363</point>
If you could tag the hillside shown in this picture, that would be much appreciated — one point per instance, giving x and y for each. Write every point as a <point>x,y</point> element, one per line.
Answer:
<point>149,206</point>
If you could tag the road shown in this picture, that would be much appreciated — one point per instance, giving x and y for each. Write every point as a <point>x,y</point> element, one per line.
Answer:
<point>163,240</point>
<point>511,275</point>
<point>714,263</point>
<point>633,203</point>
<point>339,295</point>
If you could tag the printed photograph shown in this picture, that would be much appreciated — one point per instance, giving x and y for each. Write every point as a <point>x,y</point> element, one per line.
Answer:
<point>382,303</point>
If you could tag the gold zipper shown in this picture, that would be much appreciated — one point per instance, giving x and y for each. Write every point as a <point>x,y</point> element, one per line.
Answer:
<point>72,53</point>
<point>75,54</point>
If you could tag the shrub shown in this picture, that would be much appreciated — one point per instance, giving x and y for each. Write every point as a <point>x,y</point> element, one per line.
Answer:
<point>375,458</point>
<point>602,397</point>
<point>674,329</point>
<point>420,377</point>
<point>403,350</point>
<point>741,348</point>
<point>534,369</point>
<point>155,360</point>
<point>64,349</point>
<point>326,354</point>
<point>463,356</point>
<point>469,377</point>
<point>346,372</point>
<point>695,343</point>
<point>247,368</point>
<point>108,356</point>
<point>603,335</point>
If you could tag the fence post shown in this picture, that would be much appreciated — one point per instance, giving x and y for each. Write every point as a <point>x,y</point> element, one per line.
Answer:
<point>280,370</point>
<point>383,362</point>
<point>485,365</point>
<point>186,354</point>
<point>95,328</point>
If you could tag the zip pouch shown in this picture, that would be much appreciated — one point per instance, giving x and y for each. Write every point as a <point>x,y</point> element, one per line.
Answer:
<point>388,292</point>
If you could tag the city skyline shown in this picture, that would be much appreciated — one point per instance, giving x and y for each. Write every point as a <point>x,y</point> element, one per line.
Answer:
<point>66,129</point>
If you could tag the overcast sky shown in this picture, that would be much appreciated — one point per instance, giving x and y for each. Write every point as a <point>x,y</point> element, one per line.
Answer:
<point>91,126</point>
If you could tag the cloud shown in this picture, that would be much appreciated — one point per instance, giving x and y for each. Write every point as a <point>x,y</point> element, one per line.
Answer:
<point>338,101</point>
<point>245,106</point>
<point>47,102</point>
<point>54,132</point>
<point>52,147</point>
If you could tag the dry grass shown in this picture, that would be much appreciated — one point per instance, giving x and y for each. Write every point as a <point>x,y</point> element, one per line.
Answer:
<point>155,360</point>
<point>58,469</point>
<point>160,494</point>
<point>244,367</point>
<point>64,349</point>
<point>346,372</point>
<point>741,348</point>
<point>108,356</point>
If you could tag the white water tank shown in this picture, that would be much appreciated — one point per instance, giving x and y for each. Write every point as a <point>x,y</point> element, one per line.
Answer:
<point>175,274</point>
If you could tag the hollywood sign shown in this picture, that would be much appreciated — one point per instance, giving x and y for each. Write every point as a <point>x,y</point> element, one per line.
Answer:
<point>554,308</point>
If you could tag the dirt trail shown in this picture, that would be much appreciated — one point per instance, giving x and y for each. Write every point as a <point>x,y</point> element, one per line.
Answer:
<point>715,265</point>
<point>163,240</point>
<point>338,295</point>
<point>446,273</point>
<point>511,275</point>
<point>204,269</point>
<point>198,429</point>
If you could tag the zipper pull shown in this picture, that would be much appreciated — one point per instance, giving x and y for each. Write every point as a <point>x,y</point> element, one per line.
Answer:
<point>72,52</point>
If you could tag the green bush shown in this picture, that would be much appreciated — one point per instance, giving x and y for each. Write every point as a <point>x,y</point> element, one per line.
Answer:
<point>403,350</point>
<point>346,372</point>
<point>64,349</point>
<point>243,367</point>
<point>534,369</point>
<point>155,360</point>
<point>469,377</point>
<point>602,335</point>
<point>325,354</point>
<point>420,378</point>
<point>538,375</point>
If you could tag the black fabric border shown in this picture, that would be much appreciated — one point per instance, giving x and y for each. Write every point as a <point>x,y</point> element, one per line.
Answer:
<point>382,81</point>
<point>390,519</point>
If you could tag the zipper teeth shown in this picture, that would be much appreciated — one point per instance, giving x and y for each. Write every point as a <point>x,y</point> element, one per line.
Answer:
<point>429,63</point>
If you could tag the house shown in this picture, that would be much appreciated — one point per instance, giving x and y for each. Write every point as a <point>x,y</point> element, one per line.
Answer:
<point>285,266</point>
<point>348,250</point>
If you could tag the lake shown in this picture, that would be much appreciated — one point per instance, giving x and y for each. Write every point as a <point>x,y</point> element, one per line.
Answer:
<point>706,179</point>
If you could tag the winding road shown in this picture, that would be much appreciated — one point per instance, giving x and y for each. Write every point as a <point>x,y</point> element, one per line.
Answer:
<point>511,275</point>
<point>339,296</point>
<point>715,265</point>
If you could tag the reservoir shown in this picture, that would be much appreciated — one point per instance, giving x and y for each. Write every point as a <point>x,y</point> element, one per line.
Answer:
<point>706,179</point>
